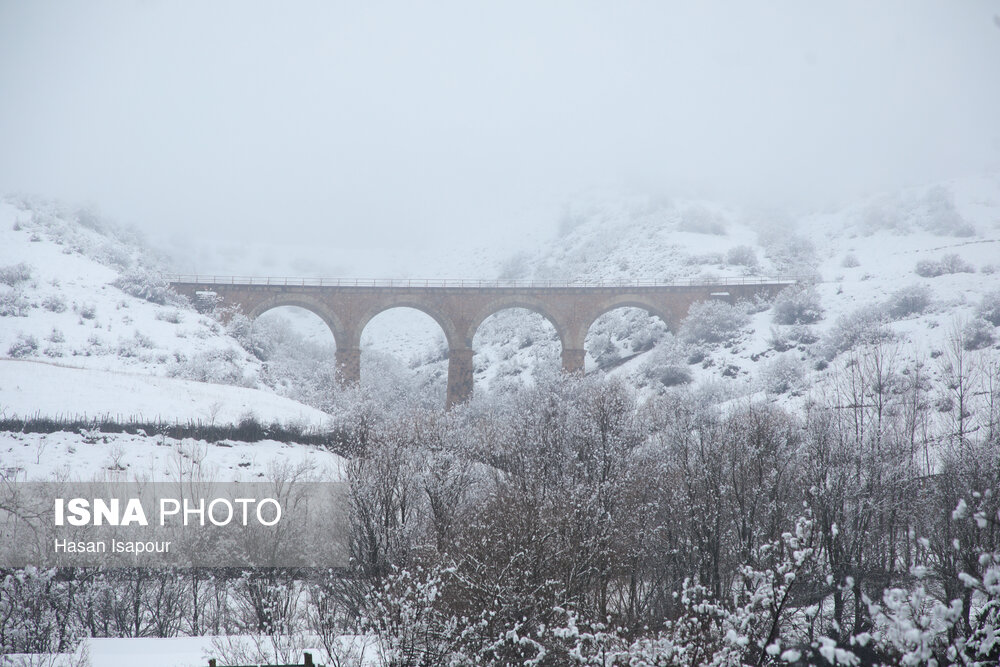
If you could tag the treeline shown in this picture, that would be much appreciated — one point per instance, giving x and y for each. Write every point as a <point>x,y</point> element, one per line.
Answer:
<point>571,524</point>
<point>247,429</point>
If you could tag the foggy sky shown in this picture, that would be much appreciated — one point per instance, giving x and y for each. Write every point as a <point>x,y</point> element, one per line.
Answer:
<point>401,124</point>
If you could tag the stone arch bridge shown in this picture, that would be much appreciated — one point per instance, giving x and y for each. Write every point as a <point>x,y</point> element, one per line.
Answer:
<point>459,307</point>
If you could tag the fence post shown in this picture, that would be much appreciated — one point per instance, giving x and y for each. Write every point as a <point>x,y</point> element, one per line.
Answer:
<point>211,662</point>
<point>309,660</point>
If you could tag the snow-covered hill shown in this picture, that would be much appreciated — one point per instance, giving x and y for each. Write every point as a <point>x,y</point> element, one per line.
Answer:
<point>918,262</point>
<point>88,332</point>
<point>915,265</point>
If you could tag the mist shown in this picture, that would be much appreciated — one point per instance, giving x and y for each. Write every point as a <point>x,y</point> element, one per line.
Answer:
<point>402,128</point>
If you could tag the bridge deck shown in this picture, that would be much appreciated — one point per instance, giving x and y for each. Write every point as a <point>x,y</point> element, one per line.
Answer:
<point>476,283</point>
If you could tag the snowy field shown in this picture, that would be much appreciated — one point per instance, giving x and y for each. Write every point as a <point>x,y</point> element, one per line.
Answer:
<point>92,456</point>
<point>29,388</point>
<point>170,652</point>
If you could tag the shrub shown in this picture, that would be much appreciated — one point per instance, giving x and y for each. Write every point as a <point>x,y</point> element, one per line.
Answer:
<point>742,255</point>
<point>797,305</point>
<point>850,261</point>
<point>989,308</point>
<point>673,375</point>
<point>866,325</point>
<point>909,300</point>
<point>13,303</point>
<point>54,303</point>
<point>56,336</point>
<point>786,373</point>
<point>789,338</point>
<point>707,258</point>
<point>928,268</point>
<point>15,274</point>
<point>977,334</point>
<point>172,316</point>
<point>114,255</point>
<point>129,347</point>
<point>24,346</point>
<point>141,284</point>
<point>225,366</point>
<point>779,342</point>
<point>712,322</point>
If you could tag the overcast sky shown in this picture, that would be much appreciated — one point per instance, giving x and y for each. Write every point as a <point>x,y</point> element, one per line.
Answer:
<point>401,124</point>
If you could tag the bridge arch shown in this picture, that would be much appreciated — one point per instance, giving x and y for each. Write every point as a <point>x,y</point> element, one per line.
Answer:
<point>516,301</point>
<point>340,332</point>
<point>643,327</point>
<point>402,353</point>
<point>502,335</point>
<point>443,320</point>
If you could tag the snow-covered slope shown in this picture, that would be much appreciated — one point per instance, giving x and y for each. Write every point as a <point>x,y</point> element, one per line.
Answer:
<point>29,388</point>
<point>863,256</point>
<point>76,342</point>
<point>90,456</point>
<point>58,302</point>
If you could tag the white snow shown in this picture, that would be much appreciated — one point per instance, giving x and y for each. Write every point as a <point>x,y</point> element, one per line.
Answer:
<point>30,388</point>
<point>94,456</point>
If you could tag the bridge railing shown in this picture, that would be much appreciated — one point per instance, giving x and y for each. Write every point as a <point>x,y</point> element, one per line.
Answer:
<point>469,283</point>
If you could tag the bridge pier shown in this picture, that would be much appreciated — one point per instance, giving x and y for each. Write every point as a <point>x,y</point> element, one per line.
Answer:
<point>349,365</point>
<point>573,360</point>
<point>459,376</point>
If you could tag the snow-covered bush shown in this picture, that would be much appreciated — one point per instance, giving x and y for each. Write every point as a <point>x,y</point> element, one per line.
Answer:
<point>989,308</point>
<point>786,373</point>
<point>129,347</point>
<point>604,351</point>
<point>54,303</point>
<point>258,337</point>
<point>88,311</point>
<point>798,304</point>
<point>866,325</point>
<point>139,282</point>
<point>225,366</point>
<point>712,322</point>
<point>55,336</point>
<point>977,334</point>
<point>115,255</point>
<point>171,316</point>
<point>24,346</point>
<point>929,268</point>
<point>667,366</point>
<point>742,255</point>
<point>13,303</point>
<point>705,258</point>
<point>909,300</point>
<point>850,261</point>
<point>15,274</point>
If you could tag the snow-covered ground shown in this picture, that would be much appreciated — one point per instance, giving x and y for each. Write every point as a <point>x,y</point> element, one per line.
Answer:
<point>174,652</point>
<point>95,456</point>
<point>29,388</point>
